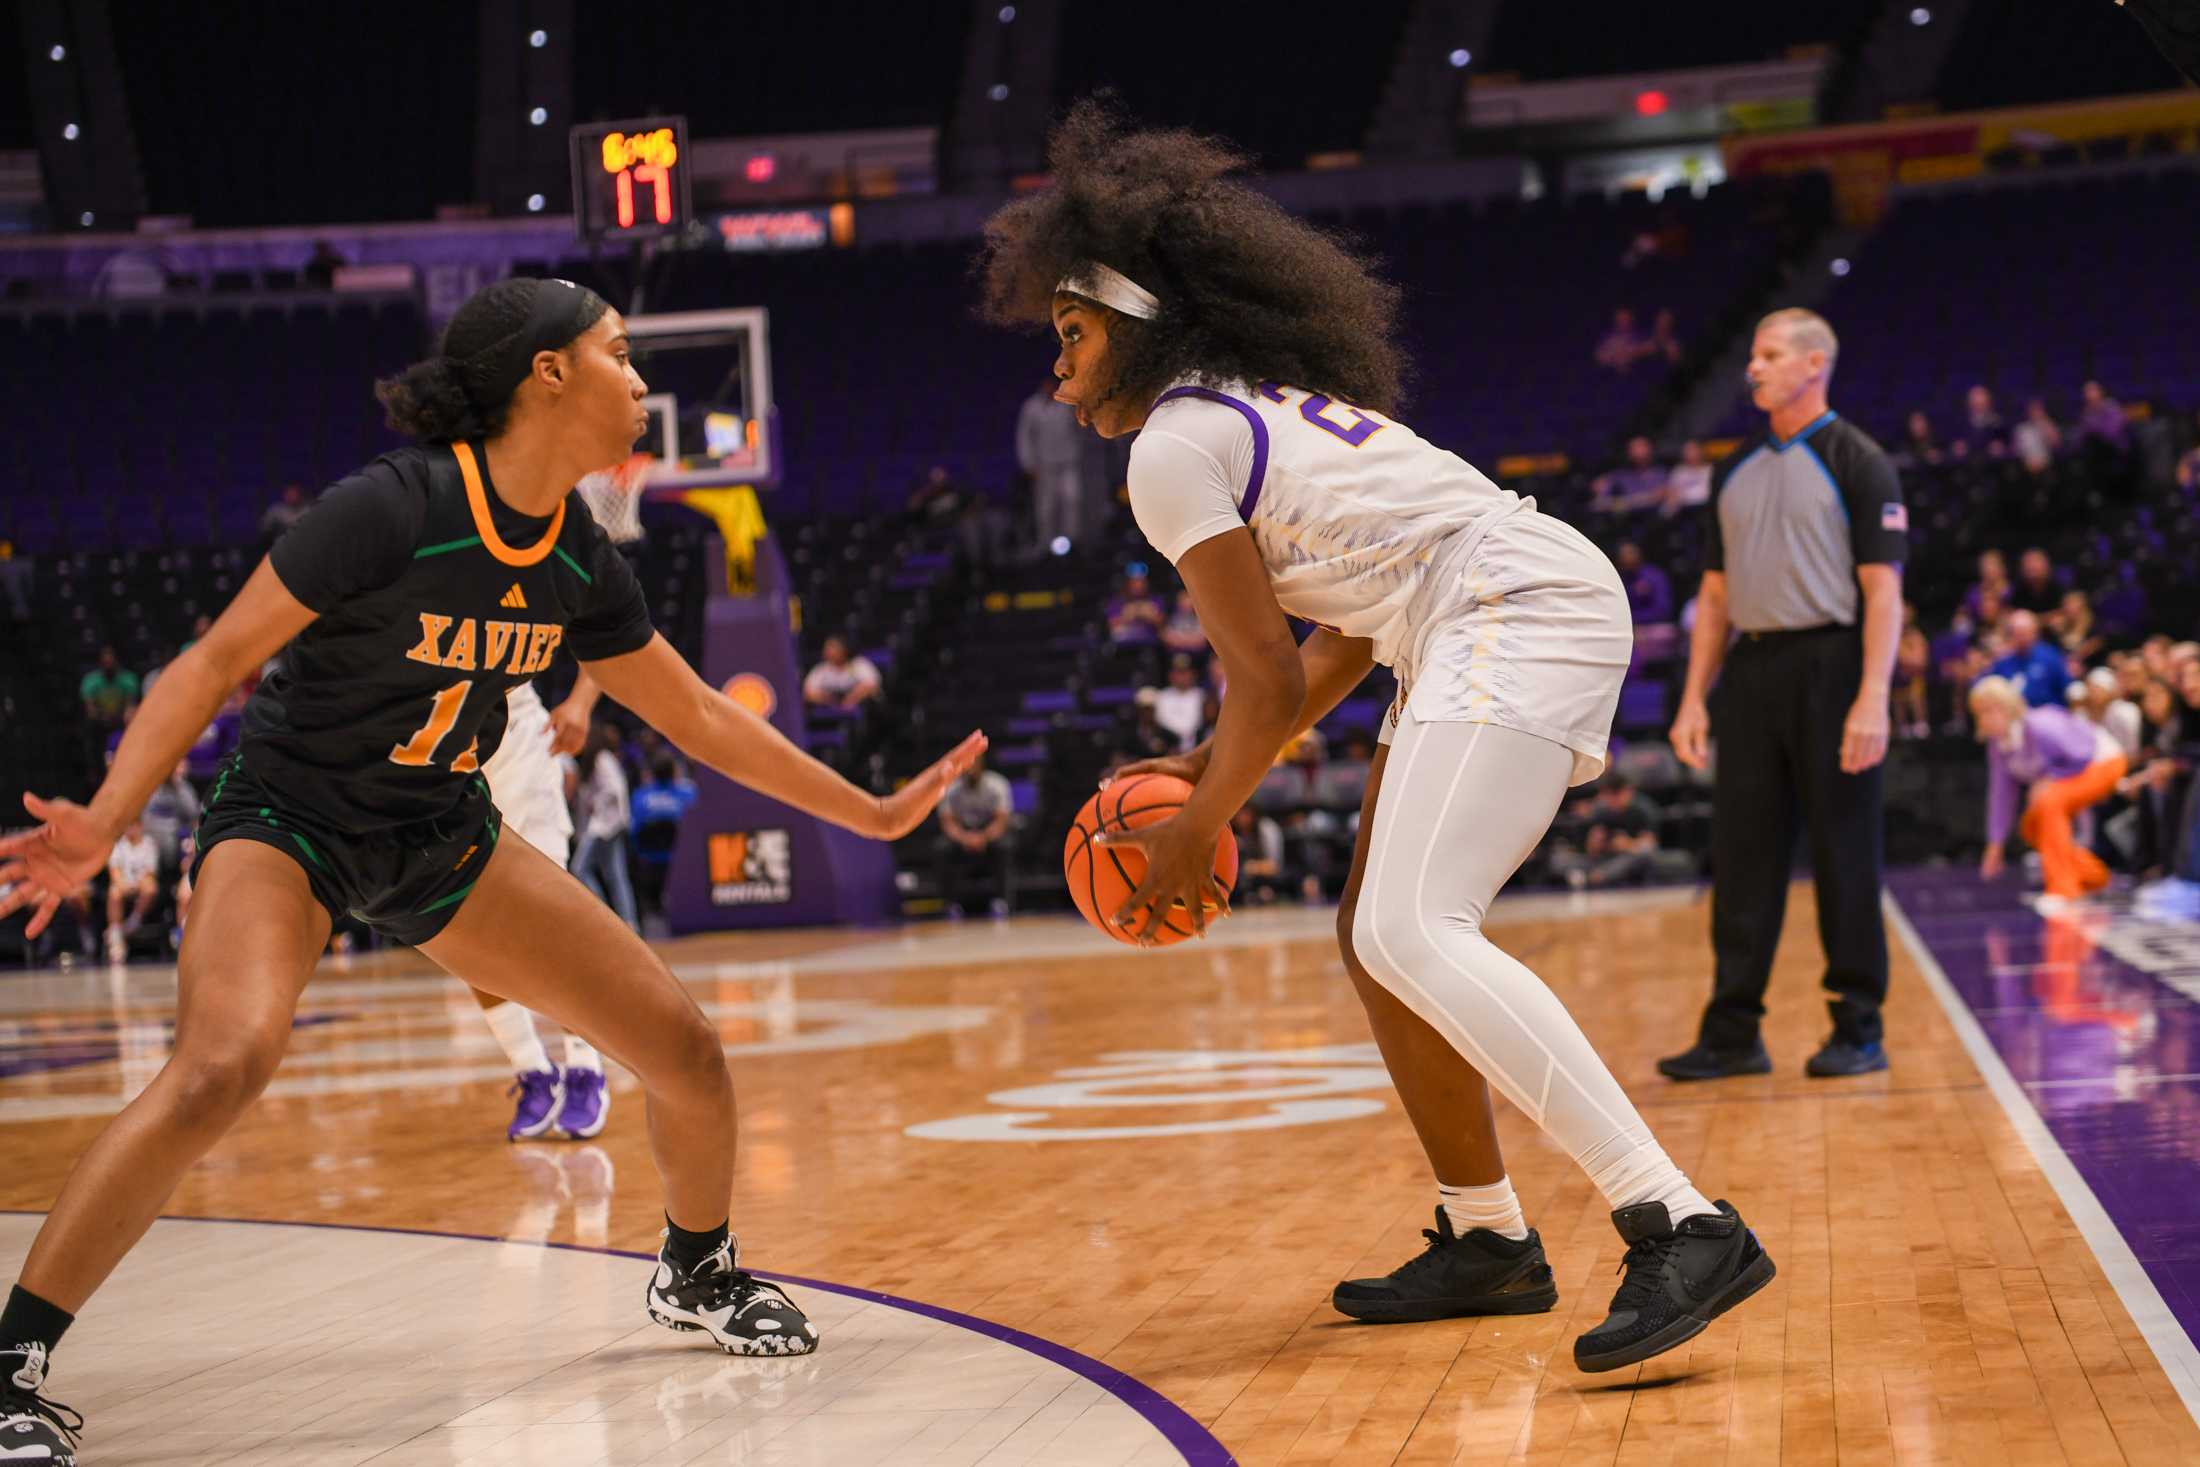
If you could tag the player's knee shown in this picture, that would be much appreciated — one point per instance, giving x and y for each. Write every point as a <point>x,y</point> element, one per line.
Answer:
<point>217,1080</point>
<point>698,1057</point>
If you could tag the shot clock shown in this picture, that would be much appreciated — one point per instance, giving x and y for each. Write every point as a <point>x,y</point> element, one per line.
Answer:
<point>630,179</point>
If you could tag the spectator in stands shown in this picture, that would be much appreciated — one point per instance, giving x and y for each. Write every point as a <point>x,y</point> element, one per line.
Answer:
<point>2038,589</point>
<point>1135,617</point>
<point>2056,765</point>
<point>110,692</point>
<point>1993,577</point>
<point>1182,631</point>
<point>2187,472</point>
<point>2153,784</point>
<point>2075,628</point>
<point>1050,453</point>
<point>1665,340</point>
<point>1689,485</point>
<point>1146,738</point>
<point>606,812</point>
<point>1911,694</point>
<point>937,499</point>
<point>1183,706</point>
<point>1261,876</point>
<point>1984,434</point>
<point>1918,446</point>
<point>1636,484</point>
<point>841,679</point>
<point>2104,704</point>
<point>2103,429</point>
<point>1623,345</point>
<point>977,824</point>
<point>2038,669</point>
<point>133,880</point>
<point>15,582</point>
<point>289,507</point>
<point>2038,438</point>
<point>660,803</point>
<point>171,813</point>
<point>1649,589</point>
<point>321,267</point>
<point>1616,847</point>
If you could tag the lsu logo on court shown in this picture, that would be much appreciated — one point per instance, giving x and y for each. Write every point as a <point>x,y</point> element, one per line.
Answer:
<point>751,868</point>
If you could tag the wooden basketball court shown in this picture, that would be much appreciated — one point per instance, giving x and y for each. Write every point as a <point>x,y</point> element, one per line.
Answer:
<point>1062,1202</point>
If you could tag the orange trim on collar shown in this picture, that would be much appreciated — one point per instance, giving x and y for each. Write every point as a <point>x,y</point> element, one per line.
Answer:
<point>477,499</point>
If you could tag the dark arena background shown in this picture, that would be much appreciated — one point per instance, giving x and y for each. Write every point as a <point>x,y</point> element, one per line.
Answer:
<point>1049,1198</point>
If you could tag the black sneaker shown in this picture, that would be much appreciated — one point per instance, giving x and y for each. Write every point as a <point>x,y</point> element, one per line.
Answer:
<point>1841,1057</point>
<point>1482,1273</point>
<point>1705,1063</point>
<point>745,1315</point>
<point>32,1428</point>
<point>1678,1280</point>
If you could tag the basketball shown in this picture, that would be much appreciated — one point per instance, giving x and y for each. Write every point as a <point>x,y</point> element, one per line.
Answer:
<point>1102,878</point>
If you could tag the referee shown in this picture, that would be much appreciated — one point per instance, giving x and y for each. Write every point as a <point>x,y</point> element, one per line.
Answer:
<point>1803,560</point>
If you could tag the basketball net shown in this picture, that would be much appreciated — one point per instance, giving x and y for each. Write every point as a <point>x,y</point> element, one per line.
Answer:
<point>614,497</point>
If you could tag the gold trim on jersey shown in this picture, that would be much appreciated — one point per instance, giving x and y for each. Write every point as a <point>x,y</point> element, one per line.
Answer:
<point>477,500</point>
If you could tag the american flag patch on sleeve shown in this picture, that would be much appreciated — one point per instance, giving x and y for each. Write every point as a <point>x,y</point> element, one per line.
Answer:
<point>1894,517</point>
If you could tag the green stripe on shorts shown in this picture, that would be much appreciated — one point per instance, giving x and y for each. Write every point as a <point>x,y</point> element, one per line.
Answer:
<point>454,898</point>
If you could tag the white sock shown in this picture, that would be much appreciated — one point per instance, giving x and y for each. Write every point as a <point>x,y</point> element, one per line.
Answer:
<point>581,1055</point>
<point>514,1028</point>
<point>1632,1167</point>
<point>1493,1207</point>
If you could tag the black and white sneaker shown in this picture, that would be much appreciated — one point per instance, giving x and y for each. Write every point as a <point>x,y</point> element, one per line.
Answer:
<point>745,1315</point>
<point>33,1430</point>
<point>1679,1279</point>
<point>1482,1273</point>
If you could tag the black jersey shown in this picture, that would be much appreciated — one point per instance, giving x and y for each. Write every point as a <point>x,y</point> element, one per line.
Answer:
<point>435,599</point>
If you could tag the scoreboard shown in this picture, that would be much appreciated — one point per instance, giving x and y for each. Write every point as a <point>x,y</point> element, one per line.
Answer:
<point>630,178</point>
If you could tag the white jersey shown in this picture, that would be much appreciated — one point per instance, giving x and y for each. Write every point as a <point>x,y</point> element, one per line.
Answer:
<point>1364,525</point>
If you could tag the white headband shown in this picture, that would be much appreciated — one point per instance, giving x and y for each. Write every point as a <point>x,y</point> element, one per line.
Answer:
<point>1113,288</point>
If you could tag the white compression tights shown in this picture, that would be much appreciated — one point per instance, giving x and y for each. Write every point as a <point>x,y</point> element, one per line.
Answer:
<point>1462,805</point>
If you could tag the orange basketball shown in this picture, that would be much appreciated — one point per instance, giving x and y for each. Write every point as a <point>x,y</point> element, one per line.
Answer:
<point>1102,878</point>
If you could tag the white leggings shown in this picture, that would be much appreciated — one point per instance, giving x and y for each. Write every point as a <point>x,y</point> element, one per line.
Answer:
<point>1462,805</point>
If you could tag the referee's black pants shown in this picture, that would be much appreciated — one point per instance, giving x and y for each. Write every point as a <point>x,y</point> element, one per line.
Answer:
<point>1778,714</point>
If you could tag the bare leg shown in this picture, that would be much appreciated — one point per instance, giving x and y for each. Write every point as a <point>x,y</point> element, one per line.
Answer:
<point>529,934</point>
<point>1445,1097</point>
<point>239,977</point>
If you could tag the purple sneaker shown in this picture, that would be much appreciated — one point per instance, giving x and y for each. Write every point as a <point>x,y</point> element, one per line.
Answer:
<point>587,1105</point>
<point>539,1093</point>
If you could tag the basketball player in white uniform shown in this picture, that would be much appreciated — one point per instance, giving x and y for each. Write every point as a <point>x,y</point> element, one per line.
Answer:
<point>571,1101</point>
<point>1255,354</point>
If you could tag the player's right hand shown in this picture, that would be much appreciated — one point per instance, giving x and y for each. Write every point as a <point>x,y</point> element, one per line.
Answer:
<point>42,865</point>
<point>1691,733</point>
<point>1187,767</point>
<point>905,809</point>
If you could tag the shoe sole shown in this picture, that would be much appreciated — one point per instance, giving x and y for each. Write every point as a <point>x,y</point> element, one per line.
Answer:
<point>1688,1326</point>
<point>1685,1077</point>
<point>1376,1311</point>
<point>1843,1074</point>
<point>663,1315</point>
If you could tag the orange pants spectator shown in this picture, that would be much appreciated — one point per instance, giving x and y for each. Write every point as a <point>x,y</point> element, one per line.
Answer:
<point>2070,870</point>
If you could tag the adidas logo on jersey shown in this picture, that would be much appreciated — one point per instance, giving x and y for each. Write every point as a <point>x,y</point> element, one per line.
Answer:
<point>514,599</point>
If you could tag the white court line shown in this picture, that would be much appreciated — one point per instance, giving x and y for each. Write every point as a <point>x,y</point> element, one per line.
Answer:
<point>2179,1357</point>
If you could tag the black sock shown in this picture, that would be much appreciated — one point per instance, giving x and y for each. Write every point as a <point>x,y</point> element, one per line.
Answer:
<point>30,1320</point>
<point>688,1249</point>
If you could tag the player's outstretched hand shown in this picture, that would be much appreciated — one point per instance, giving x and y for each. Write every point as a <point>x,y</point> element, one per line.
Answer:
<point>904,810</point>
<point>40,866</point>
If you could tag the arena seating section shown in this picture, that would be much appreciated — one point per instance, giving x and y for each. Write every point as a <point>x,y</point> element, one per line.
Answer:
<point>143,513</point>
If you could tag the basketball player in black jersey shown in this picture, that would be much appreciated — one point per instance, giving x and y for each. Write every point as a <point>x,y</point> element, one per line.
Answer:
<point>404,605</point>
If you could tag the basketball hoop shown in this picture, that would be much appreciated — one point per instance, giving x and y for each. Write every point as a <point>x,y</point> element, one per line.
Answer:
<point>614,497</point>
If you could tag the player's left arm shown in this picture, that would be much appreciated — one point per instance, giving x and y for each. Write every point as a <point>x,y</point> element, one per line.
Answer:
<point>656,682</point>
